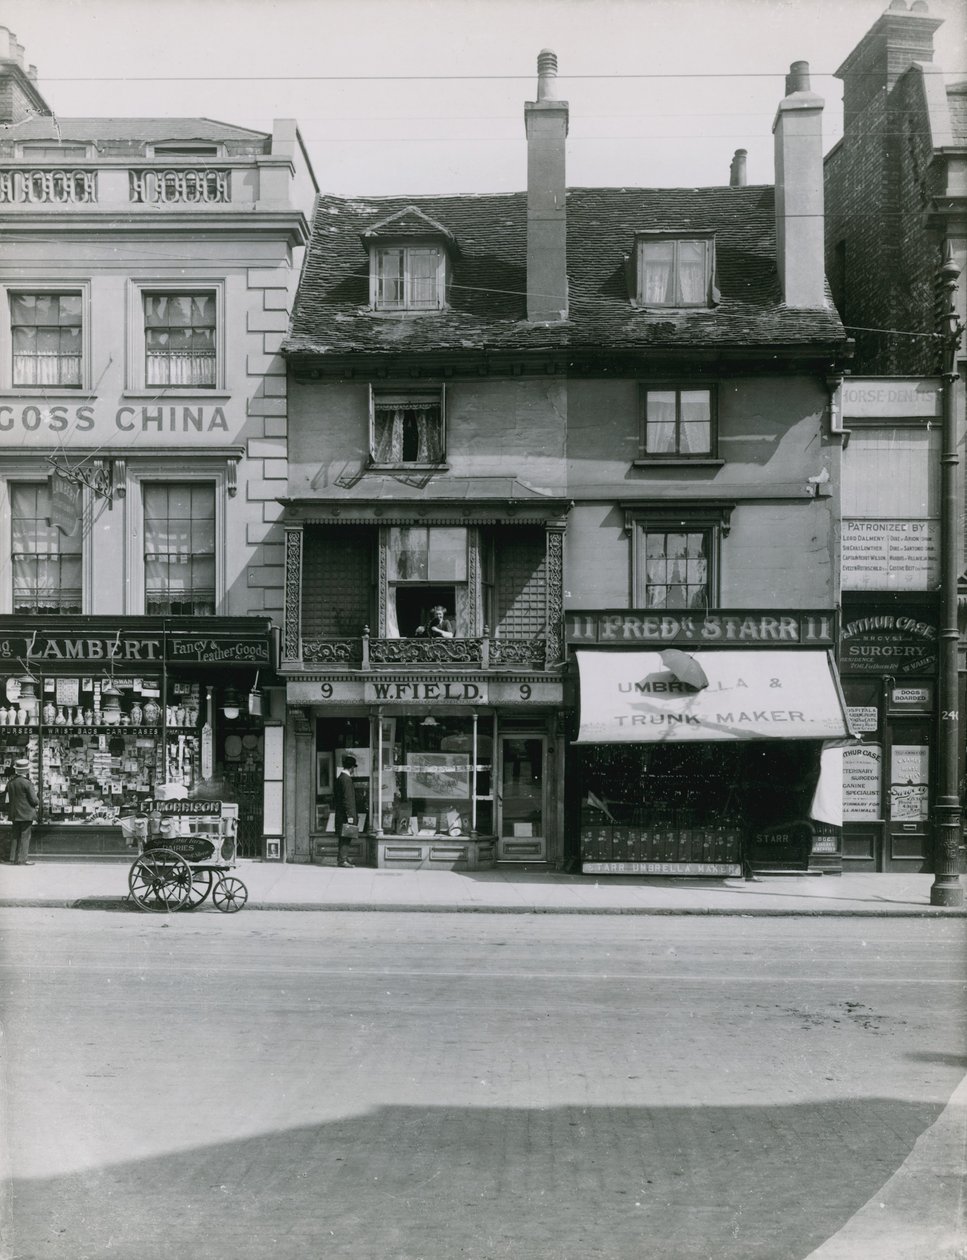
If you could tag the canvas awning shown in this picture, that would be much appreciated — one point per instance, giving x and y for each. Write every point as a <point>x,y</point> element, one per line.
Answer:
<point>633,697</point>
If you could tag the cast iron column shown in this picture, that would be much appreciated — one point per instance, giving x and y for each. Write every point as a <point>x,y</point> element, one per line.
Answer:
<point>947,889</point>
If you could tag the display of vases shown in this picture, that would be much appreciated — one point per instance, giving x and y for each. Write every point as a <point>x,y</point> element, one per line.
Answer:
<point>78,716</point>
<point>23,716</point>
<point>50,713</point>
<point>136,714</point>
<point>152,711</point>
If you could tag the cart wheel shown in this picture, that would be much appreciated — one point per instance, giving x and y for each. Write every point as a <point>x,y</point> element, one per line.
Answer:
<point>229,894</point>
<point>201,886</point>
<point>160,880</point>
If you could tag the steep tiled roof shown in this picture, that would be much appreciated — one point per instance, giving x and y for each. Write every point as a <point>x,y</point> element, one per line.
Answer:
<point>487,298</point>
<point>148,130</point>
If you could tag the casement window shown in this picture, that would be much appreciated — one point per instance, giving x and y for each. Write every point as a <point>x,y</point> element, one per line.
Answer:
<point>179,548</point>
<point>180,339</point>
<point>407,427</point>
<point>408,278</point>
<point>45,561</point>
<point>675,569</point>
<point>47,335</point>
<point>677,423</point>
<point>675,553</point>
<point>426,566</point>
<point>675,271</point>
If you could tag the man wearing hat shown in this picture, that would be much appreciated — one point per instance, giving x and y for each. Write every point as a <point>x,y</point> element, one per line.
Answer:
<point>21,810</point>
<point>344,805</point>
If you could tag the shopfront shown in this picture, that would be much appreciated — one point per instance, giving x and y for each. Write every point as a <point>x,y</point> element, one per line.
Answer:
<point>703,743</point>
<point>109,712</point>
<point>453,772</point>
<point>888,661</point>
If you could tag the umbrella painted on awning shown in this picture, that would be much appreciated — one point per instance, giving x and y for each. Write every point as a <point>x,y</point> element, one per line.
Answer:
<point>685,668</point>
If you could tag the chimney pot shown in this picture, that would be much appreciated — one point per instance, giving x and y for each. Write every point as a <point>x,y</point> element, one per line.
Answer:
<point>797,80</point>
<point>737,173</point>
<point>546,74</point>
<point>919,6</point>
<point>897,6</point>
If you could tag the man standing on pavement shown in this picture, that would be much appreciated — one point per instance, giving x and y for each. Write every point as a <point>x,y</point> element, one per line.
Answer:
<point>345,810</point>
<point>21,810</point>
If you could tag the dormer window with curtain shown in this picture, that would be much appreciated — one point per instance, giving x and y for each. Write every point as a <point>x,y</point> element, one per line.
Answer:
<point>674,271</point>
<point>409,256</point>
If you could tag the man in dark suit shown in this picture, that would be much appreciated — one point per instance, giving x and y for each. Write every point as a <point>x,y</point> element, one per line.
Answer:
<point>344,806</point>
<point>22,805</point>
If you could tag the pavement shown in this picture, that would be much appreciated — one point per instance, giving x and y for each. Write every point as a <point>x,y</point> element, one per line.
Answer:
<point>282,886</point>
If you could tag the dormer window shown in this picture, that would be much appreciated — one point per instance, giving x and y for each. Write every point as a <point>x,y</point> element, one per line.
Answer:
<point>409,258</point>
<point>675,271</point>
<point>408,278</point>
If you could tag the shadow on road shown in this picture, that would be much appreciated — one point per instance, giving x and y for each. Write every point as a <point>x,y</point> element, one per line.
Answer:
<point>477,1183</point>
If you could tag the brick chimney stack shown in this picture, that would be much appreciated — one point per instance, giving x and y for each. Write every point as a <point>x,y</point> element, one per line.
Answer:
<point>19,96</point>
<point>896,39</point>
<point>545,121</point>
<point>798,133</point>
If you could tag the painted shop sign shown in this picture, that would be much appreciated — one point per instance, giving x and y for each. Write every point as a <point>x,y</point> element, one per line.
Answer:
<point>862,766</point>
<point>888,643</point>
<point>896,555</point>
<point>425,691</point>
<point>749,627</point>
<point>662,868</point>
<point>205,650</point>
<point>354,691</point>
<point>37,423</point>
<point>123,649</point>
<point>874,399</point>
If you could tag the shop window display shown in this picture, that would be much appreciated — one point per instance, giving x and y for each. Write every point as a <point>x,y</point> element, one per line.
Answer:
<point>699,803</point>
<point>100,744</point>
<point>428,783</point>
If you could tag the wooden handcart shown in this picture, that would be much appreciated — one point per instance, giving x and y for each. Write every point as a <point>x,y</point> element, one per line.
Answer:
<point>186,850</point>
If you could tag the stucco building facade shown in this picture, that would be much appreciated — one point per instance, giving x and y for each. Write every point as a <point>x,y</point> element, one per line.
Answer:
<point>147,269</point>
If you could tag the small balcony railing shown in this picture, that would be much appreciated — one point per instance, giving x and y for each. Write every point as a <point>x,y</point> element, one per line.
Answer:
<point>178,187</point>
<point>52,187</point>
<point>369,652</point>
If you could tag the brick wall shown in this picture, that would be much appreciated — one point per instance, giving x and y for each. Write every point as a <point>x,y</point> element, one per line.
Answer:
<point>875,183</point>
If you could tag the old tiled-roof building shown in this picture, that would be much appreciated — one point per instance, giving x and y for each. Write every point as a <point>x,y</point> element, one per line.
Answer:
<point>533,439</point>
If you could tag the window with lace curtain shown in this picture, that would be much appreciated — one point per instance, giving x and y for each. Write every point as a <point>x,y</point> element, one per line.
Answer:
<point>675,272</point>
<point>675,568</point>
<point>46,332</point>
<point>677,423</point>
<point>408,278</point>
<point>179,339</point>
<point>179,548</point>
<point>45,561</point>
<point>407,428</point>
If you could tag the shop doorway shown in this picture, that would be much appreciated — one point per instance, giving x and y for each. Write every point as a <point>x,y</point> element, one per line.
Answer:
<point>522,798</point>
<point>886,776</point>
